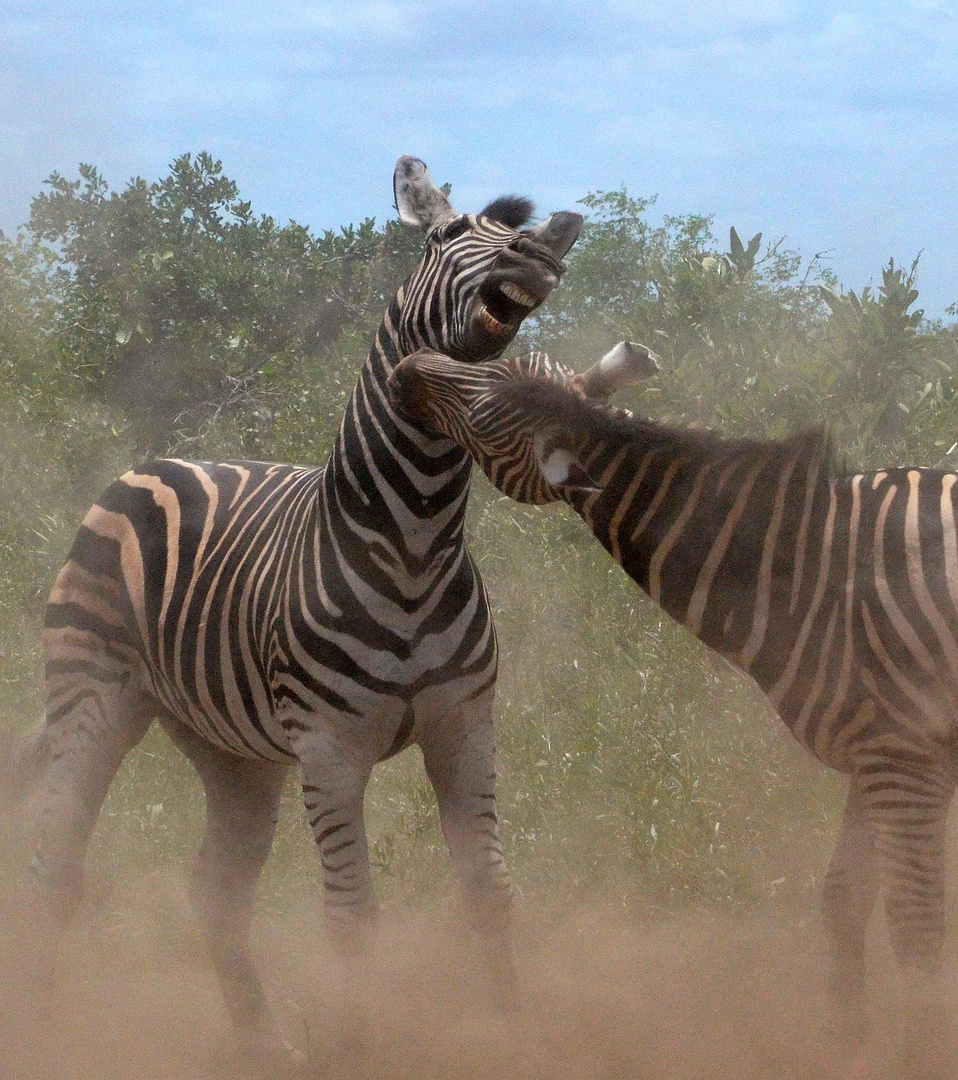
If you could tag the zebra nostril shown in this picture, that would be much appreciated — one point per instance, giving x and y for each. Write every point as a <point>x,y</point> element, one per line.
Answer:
<point>396,382</point>
<point>530,249</point>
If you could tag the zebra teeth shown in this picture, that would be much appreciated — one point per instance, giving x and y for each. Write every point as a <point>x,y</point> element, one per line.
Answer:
<point>517,295</point>
<point>492,325</point>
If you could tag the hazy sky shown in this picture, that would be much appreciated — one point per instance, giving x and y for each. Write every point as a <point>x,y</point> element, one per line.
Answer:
<point>833,124</point>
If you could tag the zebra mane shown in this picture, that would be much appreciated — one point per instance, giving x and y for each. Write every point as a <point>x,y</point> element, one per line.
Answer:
<point>512,210</point>
<point>551,401</point>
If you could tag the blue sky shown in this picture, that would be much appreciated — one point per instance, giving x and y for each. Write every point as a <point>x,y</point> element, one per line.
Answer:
<point>832,124</point>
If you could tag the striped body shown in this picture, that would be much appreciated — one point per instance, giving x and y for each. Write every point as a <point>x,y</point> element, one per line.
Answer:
<point>239,608</point>
<point>272,614</point>
<point>837,594</point>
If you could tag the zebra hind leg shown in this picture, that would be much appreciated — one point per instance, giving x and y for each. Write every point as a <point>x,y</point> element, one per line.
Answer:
<point>851,889</point>
<point>911,819</point>
<point>242,809</point>
<point>908,801</point>
<point>94,720</point>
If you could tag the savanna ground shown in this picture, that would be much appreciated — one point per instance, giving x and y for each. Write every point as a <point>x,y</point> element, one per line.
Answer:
<point>667,840</point>
<point>688,996</point>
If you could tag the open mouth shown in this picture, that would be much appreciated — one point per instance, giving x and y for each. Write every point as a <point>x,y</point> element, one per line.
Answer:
<point>504,306</point>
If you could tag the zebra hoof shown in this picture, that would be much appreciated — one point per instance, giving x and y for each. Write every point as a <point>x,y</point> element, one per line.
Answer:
<point>503,977</point>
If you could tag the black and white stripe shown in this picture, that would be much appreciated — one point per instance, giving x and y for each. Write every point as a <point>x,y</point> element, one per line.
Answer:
<point>272,615</point>
<point>837,594</point>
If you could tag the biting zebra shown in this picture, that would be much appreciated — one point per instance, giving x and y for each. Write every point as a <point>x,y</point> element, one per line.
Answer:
<point>271,615</point>
<point>837,594</point>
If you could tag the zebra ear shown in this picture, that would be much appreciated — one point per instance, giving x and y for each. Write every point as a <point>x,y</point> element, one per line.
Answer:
<point>419,202</point>
<point>624,363</point>
<point>560,465</point>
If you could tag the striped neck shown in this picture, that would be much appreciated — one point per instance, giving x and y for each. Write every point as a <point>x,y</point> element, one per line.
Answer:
<point>400,487</point>
<point>720,533</point>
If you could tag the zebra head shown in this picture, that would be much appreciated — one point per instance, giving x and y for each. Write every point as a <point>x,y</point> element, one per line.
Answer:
<point>481,274</point>
<point>526,420</point>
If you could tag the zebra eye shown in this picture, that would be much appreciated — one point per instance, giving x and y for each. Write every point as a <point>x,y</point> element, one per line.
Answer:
<point>450,231</point>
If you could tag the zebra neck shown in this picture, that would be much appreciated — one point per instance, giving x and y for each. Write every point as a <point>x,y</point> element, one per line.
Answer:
<point>394,483</point>
<point>721,534</point>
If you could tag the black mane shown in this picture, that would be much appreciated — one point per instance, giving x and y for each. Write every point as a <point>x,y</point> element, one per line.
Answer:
<point>511,210</point>
<point>550,401</point>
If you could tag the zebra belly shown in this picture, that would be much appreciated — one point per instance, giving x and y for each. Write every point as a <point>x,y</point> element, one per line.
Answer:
<point>228,709</point>
<point>874,710</point>
<point>382,705</point>
<point>370,705</point>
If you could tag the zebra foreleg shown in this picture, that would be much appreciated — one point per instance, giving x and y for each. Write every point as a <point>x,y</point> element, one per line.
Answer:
<point>333,789</point>
<point>334,782</point>
<point>460,760</point>
<point>82,748</point>
<point>851,889</point>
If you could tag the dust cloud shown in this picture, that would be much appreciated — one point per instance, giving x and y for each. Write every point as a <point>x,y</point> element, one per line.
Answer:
<point>685,998</point>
